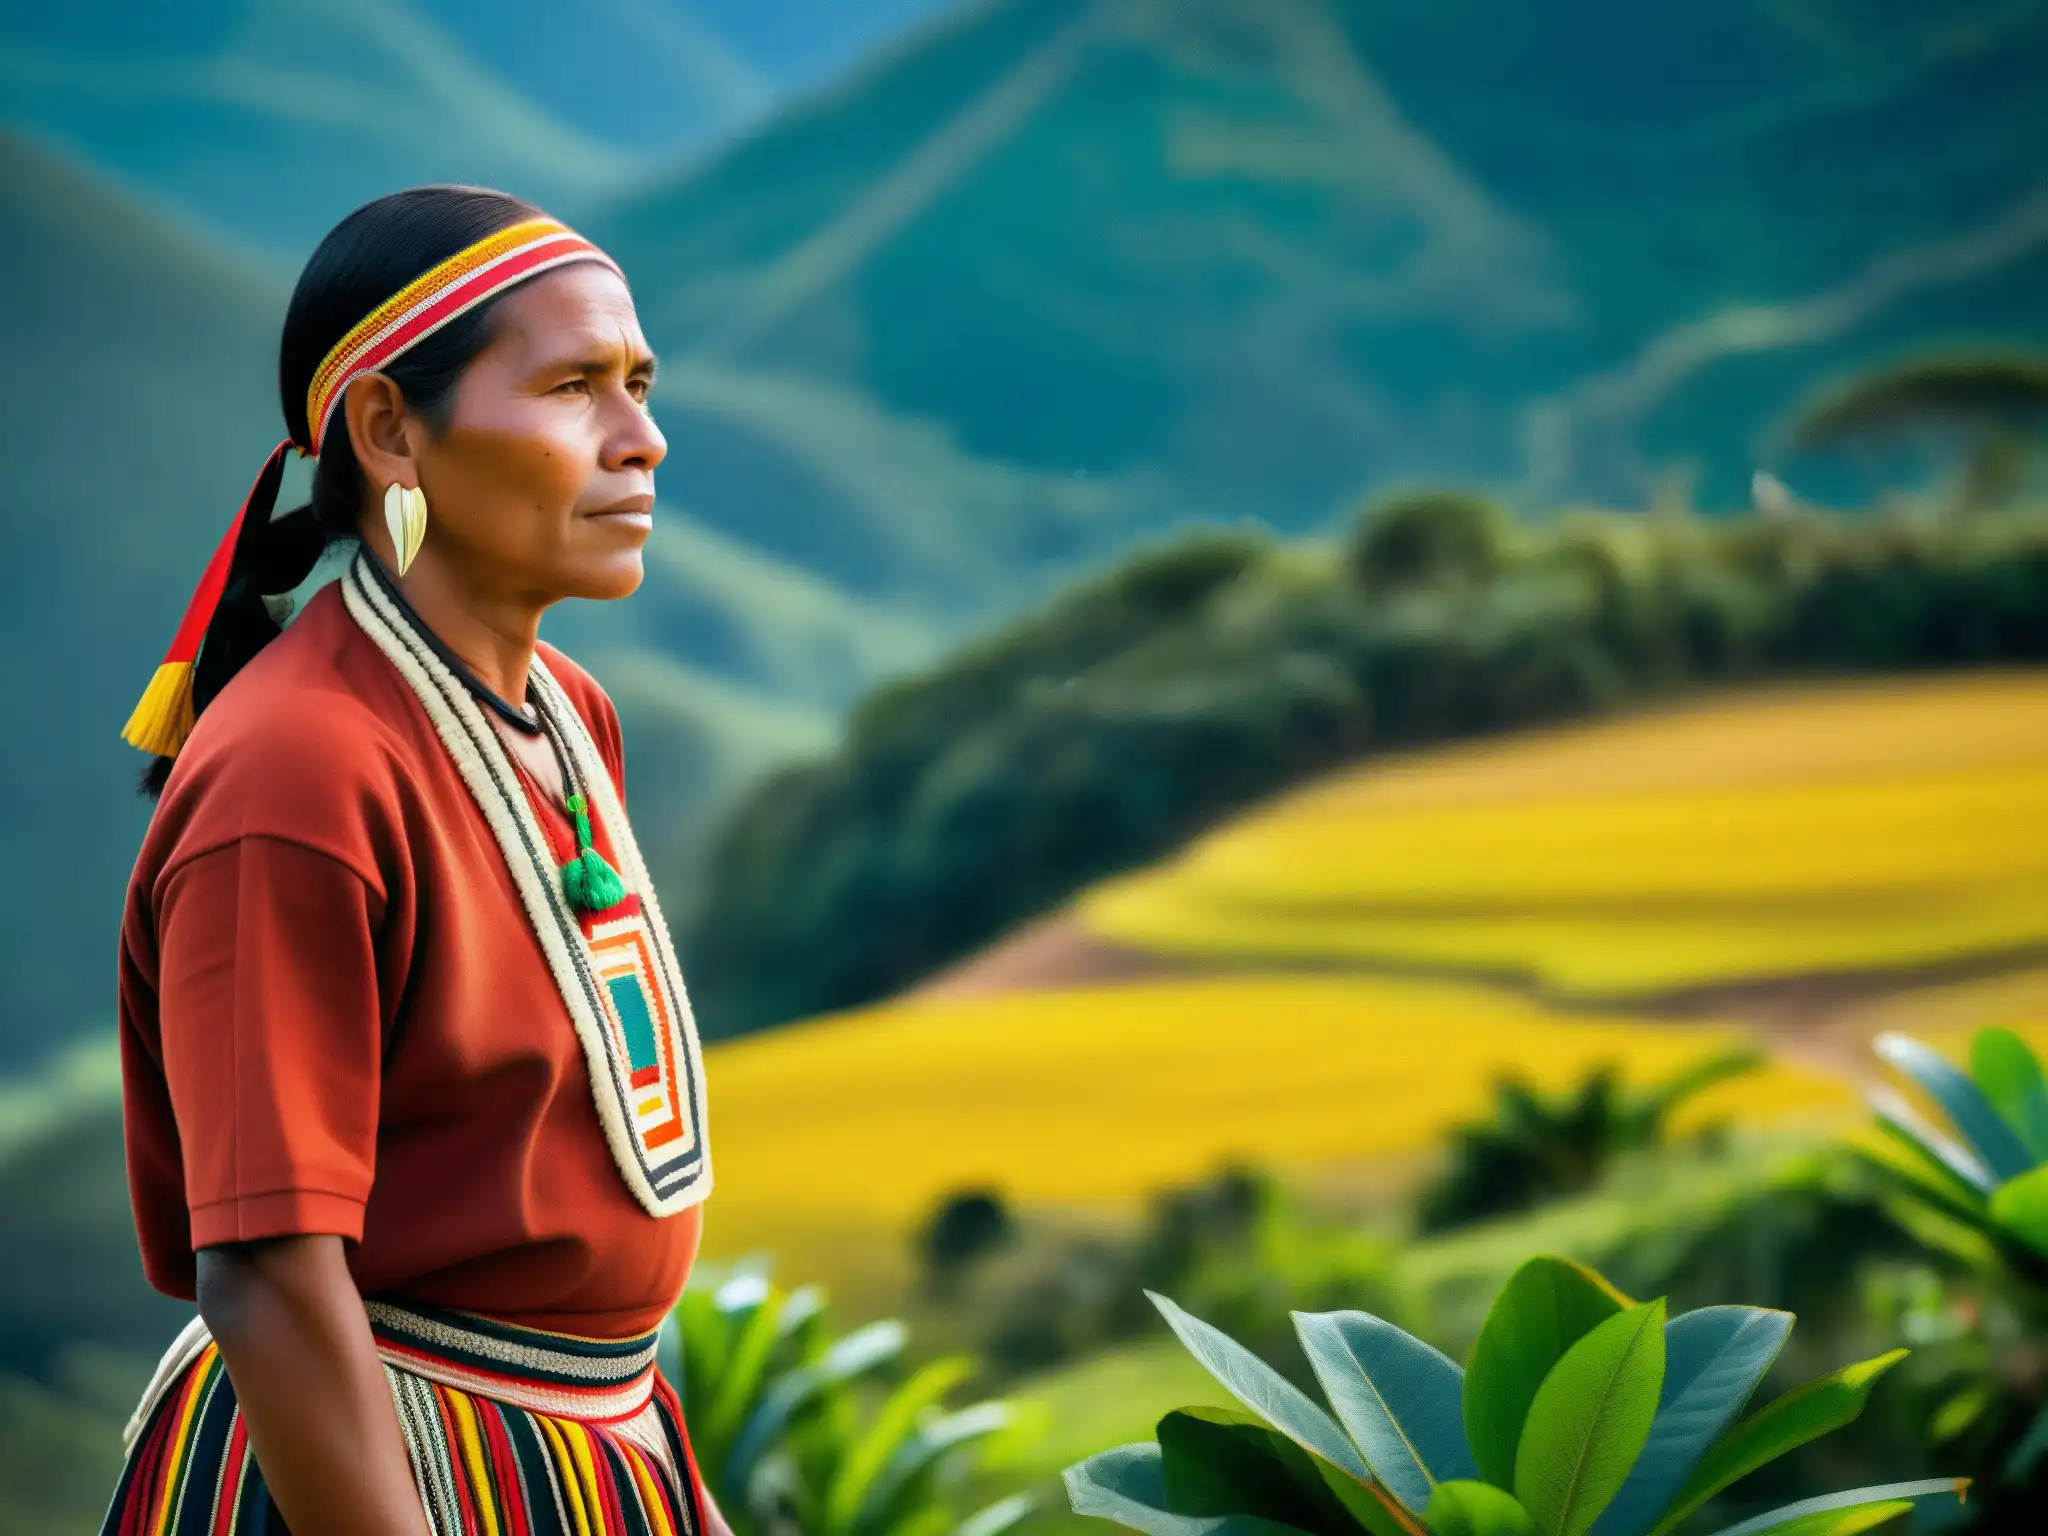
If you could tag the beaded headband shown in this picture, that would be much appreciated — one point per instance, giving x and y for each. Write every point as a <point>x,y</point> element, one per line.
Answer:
<point>164,716</point>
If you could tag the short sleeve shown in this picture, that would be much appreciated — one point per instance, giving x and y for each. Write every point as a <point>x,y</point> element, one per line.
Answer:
<point>272,1038</point>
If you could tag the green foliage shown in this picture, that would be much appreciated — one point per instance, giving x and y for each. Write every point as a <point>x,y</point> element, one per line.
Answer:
<point>1477,1509</point>
<point>1236,1245</point>
<point>794,1431</point>
<point>1991,1175</point>
<point>1944,389</point>
<point>964,1227</point>
<point>1411,1431</point>
<point>1589,1421</point>
<point>1141,706</point>
<point>1537,1147</point>
<point>1975,1191</point>
<point>1624,1402</point>
<point>1428,539</point>
<point>1990,401</point>
<point>1548,1306</point>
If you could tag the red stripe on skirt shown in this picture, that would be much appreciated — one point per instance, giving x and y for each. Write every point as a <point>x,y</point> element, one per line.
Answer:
<point>505,1468</point>
<point>607,1481</point>
<point>674,1404</point>
<point>147,1489</point>
<point>451,1431</point>
<point>231,1478</point>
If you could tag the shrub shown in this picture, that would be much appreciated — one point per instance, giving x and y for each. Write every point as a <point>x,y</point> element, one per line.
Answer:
<point>789,1444</point>
<point>1536,1147</point>
<point>962,1229</point>
<point>1428,538</point>
<point>1579,1411</point>
<point>1992,1176</point>
<point>1976,1193</point>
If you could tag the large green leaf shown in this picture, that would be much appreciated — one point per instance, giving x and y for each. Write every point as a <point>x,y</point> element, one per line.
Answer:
<point>1262,1389</point>
<point>2021,1206</point>
<point>1842,1522</point>
<point>1805,1413</point>
<point>1589,1421</point>
<point>1962,1101</point>
<point>893,1423</point>
<point>1947,1161</point>
<point>892,1499</point>
<point>994,1519</point>
<point>1401,1401</point>
<point>2009,1073</point>
<point>853,1355</point>
<point>1221,1461</point>
<point>751,1308</point>
<point>1713,1360</point>
<point>1546,1307</point>
<point>1477,1509</point>
<point>1370,1505</point>
<point>1816,1517</point>
<point>1127,1485</point>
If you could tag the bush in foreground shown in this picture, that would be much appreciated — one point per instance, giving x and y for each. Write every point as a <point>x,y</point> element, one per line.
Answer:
<point>1976,1194</point>
<point>790,1443</point>
<point>1580,1411</point>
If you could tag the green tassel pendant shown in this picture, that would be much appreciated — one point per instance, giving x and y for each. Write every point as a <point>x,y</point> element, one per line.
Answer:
<point>590,883</point>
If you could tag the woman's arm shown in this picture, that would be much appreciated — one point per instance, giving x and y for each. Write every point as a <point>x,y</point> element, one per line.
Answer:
<point>292,1330</point>
<point>714,1517</point>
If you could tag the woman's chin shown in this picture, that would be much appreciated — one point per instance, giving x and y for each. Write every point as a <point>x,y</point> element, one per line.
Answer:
<point>608,577</point>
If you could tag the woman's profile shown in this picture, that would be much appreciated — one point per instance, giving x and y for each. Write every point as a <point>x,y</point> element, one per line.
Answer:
<point>414,1102</point>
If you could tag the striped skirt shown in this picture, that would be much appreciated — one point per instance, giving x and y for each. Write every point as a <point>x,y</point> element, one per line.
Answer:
<point>512,1432</point>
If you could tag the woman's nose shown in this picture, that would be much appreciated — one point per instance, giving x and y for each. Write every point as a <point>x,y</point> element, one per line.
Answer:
<point>635,442</point>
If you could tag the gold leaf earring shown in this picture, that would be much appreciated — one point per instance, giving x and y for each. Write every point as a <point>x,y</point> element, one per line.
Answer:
<point>405,515</point>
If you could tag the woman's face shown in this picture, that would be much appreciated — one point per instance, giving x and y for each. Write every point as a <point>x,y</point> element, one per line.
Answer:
<point>542,485</point>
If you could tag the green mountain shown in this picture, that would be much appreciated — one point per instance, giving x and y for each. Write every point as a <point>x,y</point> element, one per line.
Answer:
<point>269,119</point>
<point>1067,269</point>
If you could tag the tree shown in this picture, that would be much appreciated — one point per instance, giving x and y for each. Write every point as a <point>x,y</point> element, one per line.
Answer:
<point>1986,403</point>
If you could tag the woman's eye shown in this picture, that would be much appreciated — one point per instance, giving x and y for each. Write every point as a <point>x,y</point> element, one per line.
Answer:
<point>573,386</point>
<point>638,389</point>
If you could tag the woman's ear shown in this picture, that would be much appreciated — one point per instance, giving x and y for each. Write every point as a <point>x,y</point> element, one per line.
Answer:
<point>385,434</point>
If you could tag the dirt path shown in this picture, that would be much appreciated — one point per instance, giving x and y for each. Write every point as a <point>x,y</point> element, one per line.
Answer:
<point>1053,953</point>
<point>1826,1021</point>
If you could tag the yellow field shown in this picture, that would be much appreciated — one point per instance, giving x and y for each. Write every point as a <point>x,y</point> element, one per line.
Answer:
<point>1103,1095</point>
<point>1800,830</point>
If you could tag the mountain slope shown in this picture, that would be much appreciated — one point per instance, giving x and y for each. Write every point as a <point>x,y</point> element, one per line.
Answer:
<point>269,119</point>
<point>1133,259</point>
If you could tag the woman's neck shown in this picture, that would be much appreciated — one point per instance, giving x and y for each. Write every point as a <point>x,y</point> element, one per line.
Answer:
<point>491,632</point>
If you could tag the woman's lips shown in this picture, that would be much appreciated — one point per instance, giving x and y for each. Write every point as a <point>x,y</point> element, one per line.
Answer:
<point>637,513</point>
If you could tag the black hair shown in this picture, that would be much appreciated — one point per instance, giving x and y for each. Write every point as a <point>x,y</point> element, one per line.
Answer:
<point>365,259</point>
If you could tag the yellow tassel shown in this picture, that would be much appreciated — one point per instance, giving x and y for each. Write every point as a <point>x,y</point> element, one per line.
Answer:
<point>164,717</point>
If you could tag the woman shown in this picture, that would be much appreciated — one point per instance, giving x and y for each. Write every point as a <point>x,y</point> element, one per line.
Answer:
<point>414,1101</point>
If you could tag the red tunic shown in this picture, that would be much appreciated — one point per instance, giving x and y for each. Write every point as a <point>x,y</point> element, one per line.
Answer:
<point>336,1019</point>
